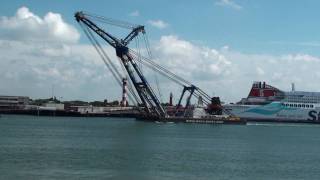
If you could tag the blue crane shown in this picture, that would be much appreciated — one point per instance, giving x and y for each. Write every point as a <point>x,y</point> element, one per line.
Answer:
<point>142,92</point>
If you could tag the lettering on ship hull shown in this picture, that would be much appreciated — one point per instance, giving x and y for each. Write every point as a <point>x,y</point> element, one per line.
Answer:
<point>314,115</point>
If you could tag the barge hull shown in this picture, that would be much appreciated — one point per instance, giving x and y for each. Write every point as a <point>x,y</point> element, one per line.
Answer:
<point>213,120</point>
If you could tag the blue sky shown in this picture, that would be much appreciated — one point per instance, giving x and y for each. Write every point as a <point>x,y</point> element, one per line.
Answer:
<point>259,26</point>
<point>217,44</point>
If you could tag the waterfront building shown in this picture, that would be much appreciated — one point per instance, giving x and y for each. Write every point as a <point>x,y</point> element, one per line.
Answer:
<point>13,102</point>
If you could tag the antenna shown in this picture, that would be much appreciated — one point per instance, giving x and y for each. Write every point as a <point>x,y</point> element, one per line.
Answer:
<point>52,91</point>
<point>293,88</point>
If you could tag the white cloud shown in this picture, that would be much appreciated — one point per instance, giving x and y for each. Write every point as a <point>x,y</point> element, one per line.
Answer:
<point>135,13</point>
<point>158,24</point>
<point>260,71</point>
<point>74,69</point>
<point>27,26</point>
<point>277,70</point>
<point>300,57</point>
<point>190,60</point>
<point>38,52</point>
<point>229,3</point>
<point>229,74</point>
<point>30,68</point>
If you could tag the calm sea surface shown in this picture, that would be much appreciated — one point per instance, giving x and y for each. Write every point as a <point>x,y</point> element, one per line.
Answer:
<point>109,148</point>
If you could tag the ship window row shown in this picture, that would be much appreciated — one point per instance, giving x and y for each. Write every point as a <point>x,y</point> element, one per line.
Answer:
<point>299,105</point>
<point>304,98</point>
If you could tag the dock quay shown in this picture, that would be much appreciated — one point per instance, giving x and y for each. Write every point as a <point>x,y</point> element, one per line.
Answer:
<point>130,113</point>
<point>124,113</point>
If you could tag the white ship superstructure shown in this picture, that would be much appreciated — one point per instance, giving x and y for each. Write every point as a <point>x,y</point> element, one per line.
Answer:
<point>266,102</point>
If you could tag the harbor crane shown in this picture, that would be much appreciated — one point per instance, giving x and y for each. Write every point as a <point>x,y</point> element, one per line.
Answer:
<point>140,91</point>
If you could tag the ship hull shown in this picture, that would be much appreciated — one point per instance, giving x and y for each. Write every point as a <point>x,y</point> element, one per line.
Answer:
<point>275,112</point>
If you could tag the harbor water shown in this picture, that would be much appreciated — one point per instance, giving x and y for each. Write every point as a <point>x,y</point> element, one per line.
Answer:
<point>117,148</point>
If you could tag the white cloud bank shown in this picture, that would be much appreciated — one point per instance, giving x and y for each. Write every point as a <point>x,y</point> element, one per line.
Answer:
<point>229,74</point>
<point>190,60</point>
<point>37,53</point>
<point>25,25</point>
<point>32,67</point>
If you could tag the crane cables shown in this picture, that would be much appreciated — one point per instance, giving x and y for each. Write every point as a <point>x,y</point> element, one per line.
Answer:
<point>127,25</point>
<point>148,62</point>
<point>110,21</point>
<point>107,61</point>
<point>147,44</point>
<point>171,76</point>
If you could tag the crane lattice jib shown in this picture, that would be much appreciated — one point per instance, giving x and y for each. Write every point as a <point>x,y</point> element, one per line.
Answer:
<point>148,98</point>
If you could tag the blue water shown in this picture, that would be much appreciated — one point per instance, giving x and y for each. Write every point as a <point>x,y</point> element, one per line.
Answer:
<point>109,148</point>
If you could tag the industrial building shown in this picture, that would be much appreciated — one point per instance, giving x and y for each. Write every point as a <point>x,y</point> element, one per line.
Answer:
<point>13,102</point>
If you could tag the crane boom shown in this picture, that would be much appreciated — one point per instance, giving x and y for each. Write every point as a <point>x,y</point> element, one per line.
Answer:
<point>150,101</point>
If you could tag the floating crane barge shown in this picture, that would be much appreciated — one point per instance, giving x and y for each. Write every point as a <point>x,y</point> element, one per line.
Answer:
<point>202,120</point>
<point>140,91</point>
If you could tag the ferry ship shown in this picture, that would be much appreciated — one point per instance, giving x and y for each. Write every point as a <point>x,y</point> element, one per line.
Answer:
<point>268,103</point>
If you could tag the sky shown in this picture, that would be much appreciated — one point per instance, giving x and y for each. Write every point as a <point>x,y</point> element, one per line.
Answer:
<point>222,46</point>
